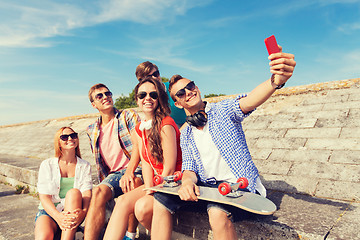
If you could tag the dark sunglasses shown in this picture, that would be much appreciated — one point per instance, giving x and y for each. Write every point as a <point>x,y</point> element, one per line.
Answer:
<point>65,137</point>
<point>100,96</point>
<point>153,95</point>
<point>181,93</point>
<point>154,74</point>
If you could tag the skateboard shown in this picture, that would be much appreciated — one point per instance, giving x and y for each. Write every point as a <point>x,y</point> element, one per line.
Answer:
<point>247,201</point>
<point>169,180</point>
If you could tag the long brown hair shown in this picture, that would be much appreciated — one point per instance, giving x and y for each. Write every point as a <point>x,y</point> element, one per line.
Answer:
<point>57,146</point>
<point>162,110</point>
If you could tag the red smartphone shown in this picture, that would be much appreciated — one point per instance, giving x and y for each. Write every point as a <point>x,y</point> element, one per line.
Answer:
<point>271,45</point>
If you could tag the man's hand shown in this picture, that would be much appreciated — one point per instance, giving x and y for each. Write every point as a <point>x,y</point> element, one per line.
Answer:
<point>127,182</point>
<point>282,65</point>
<point>189,191</point>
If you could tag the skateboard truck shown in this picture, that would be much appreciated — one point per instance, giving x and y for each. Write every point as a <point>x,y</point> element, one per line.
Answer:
<point>225,188</point>
<point>170,181</point>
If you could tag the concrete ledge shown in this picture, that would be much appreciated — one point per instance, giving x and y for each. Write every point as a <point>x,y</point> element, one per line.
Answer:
<point>298,217</point>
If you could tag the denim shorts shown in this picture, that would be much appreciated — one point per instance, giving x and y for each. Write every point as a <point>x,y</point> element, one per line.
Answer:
<point>42,212</point>
<point>113,181</point>
<point>173,203</point>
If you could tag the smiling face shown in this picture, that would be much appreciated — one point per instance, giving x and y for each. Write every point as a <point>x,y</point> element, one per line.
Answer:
<point>103,103</point>
<point>70,143</point>
<point>147,104</point>
<point>191,101</point>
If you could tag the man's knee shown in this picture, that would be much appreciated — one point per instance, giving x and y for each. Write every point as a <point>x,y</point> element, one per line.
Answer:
<point>101,194</point>
<point>218,219</point>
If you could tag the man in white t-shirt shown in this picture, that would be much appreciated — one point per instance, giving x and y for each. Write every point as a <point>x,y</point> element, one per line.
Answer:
<point>116,162</point>
<point>214,148</point>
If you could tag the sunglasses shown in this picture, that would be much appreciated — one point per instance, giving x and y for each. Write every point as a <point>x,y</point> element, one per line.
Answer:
<point>65,137</point>
<point>100,96</point>
<point>154,74</point>
<point>181,93</point>
<point>153,95</point>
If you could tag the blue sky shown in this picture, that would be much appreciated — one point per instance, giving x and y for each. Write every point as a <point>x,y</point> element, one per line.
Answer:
<point>52,52</point>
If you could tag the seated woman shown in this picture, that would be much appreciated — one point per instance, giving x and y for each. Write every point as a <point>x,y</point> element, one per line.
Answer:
<point>159,144</point>
<point>64,186</point>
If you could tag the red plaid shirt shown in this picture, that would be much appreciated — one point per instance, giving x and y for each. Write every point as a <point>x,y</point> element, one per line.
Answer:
<point>126,122</point>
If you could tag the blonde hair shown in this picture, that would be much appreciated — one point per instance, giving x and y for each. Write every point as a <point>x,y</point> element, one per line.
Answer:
<point>57,146</point>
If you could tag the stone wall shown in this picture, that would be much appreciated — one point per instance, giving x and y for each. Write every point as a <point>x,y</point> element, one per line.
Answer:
<point>304,141</point>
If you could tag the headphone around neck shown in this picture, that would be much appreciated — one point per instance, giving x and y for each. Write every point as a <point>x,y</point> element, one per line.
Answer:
<point>198,119</point>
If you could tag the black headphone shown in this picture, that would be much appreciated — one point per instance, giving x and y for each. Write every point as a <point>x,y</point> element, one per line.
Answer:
<point>198,119</point>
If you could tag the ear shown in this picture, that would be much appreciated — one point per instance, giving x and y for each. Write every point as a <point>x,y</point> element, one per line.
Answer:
<point>93,105</point>
<point>178,105</point>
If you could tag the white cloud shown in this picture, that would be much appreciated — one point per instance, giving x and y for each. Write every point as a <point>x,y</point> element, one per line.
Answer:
<point>349,28</point>
<point>29,24</point>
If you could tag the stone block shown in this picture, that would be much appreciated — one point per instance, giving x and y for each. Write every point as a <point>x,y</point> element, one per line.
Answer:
<point>257,123</point>
<point>306,108</point>
<point>265,133</point>
<point>330,114</point>
<point>260,154</point>
<point>273,167</point>
<point>344,228</point>
<point>326,99</point>
<point>311,217</point>
<point>345,157</point>
<point>342,105</point>
<point>296,123</point>
<point>350,132</point>
<point>313,133</point>
<point>333,144</point>
<point>289,184</point>
<point>285,143</point>
<point>321,170</point>
<point>344,190</point>
<point>301,155</point>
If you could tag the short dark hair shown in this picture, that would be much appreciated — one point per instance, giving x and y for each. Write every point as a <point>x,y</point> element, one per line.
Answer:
<point>174,80</point>
<point>144,69</point>
<point>93,88</point>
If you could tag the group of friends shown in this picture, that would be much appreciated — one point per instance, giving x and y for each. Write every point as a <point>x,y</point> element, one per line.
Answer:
<point>210,149</point>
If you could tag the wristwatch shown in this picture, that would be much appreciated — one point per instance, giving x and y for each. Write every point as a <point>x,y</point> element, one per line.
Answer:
<point>273,83</point>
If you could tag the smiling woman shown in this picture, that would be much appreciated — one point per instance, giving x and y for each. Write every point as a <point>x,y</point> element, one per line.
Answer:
<point>158,139</point>
<point>64,187</point>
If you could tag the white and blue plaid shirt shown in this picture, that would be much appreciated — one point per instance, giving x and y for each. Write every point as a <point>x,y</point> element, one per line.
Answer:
<point>224,119</point>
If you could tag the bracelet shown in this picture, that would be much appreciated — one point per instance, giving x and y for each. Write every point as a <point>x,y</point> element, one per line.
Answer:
<point>277,86</point>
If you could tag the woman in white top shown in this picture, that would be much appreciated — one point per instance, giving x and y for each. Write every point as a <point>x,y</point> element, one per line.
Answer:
<point>64,186</point>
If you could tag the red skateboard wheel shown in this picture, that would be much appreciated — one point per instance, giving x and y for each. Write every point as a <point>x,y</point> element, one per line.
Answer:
<point>244,183</point>
<point>224,188</point>
<point>158,179</point>
<point>178,176</point>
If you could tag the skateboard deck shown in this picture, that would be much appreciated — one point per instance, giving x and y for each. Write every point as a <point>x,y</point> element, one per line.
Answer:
<point>247,201</point>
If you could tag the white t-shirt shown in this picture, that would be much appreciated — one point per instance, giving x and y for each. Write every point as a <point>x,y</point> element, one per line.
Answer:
<point>214,164</point>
